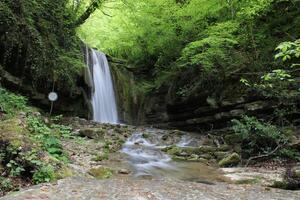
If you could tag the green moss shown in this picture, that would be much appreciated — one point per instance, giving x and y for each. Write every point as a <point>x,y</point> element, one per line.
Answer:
<point>101,172</point>
<point>101,157</point>
<point>64,172</point>
<point>248,181</point>
<point>174,150</point>
<point>12,130</point>
<point>230,160</point>
<point>280,184</point>
<point>298,173</point>
<point>146,135</point>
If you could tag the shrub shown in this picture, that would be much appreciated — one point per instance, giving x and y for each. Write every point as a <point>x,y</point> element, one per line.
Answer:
<point>258,137</point>
<point>44,174</point>
<point>11,103</point>
<point>6,184</point>
<point>49,140</point>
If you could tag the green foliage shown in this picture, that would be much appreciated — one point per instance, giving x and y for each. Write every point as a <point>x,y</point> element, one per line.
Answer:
<point>50,141</point>
<point>6,184</point>
<point>101,156</point>
<point>39,42</point>
<point>64,131</point>
<point>15,169</point>
<point>280,84</point>
<point>292,154</point>
<point>218,37</point>
<point>288,50</point>
<point>215,47</point>
<point>258,137</point>
<point>11,103</point>
<point>44,174</point>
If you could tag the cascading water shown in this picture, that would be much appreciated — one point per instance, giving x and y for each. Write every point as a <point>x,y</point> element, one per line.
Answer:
<point>146,156</point>
<point>103,96</point>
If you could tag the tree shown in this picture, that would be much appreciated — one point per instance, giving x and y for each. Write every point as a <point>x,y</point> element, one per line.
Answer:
<point>94,5</point>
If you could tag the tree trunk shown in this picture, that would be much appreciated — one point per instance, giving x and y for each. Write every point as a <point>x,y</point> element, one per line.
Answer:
<point>95,4</point>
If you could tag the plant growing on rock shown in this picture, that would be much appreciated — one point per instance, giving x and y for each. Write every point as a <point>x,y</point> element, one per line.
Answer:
<point>50,141</point>
<point>258,137</point>
<point>11,103</point>
<point>44,174</point>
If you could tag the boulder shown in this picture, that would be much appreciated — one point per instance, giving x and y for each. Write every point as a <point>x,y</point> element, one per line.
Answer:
<point>124,171</point>
<point>220,154</point>
<point>231,160</point>
<point>92,133</point>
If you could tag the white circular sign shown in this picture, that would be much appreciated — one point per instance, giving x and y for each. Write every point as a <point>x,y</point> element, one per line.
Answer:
<point>52,96</point>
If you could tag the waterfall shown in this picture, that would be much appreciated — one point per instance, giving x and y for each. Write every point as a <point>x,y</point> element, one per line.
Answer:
<point>103,95</point>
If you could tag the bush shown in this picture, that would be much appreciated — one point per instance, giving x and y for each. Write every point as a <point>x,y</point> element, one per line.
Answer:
<point>49,140</point>
<point>11,103</point>
<point>5,185</point>
<point>44,174</point>
<point>258,137</point>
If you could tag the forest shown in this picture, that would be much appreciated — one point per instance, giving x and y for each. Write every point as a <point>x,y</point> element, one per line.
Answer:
<point>157,99</point>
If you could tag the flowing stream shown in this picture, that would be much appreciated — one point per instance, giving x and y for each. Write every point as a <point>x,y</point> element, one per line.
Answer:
<point>103,96</point>
<point>146,158</point>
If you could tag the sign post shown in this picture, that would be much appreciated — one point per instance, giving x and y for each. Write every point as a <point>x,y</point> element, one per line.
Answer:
<point>52,97</point>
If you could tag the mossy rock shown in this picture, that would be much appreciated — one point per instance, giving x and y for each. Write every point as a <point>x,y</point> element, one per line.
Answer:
<point>248,181</point>
<point>101,172</point>
<point>64,172</point>
<point>207,149</point>
<point>220,155</point>
<point>232,139</point>
<point>13,132</point>
<point>206,156</point>
<point>179,158</point>
<point>93,133</point>
<point>146,135</point>
<point>231,160</point>
<point>188,151</point>
<point>224,147</point>
<point>174,150</point>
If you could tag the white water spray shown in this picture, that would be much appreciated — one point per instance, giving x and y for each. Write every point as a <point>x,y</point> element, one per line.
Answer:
<point>103,97</point>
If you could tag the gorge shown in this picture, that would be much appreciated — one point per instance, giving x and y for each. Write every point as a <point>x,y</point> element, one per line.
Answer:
<point>157,99</point>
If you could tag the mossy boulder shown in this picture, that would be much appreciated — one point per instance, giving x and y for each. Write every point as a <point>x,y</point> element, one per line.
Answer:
<point>207,149</point>
<point>173,150</point>
<point>220,155</point>
<point>231,160</point>
<point>101,172</point>
<point>93,133</point>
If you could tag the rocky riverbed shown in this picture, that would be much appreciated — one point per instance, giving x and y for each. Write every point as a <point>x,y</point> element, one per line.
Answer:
<point>126,162</point>
<point>137,189</point>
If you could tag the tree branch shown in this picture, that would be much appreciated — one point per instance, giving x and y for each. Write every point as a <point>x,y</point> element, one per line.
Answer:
<point>95,4</point>
<point>265,155</point>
